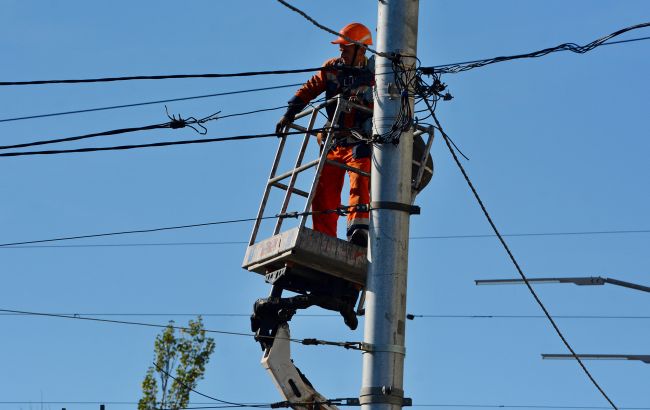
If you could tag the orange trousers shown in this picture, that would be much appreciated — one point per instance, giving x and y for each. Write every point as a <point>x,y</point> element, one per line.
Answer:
<point>328,192</point>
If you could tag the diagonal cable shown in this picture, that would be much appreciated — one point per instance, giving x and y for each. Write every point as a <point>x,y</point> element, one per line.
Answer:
<point>512,258</point>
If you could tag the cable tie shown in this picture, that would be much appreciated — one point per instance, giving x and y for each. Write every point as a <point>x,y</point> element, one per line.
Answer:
<point>293,214</point>
<point>280,404</point>
<point>311,341</point>
<point>177,123</point>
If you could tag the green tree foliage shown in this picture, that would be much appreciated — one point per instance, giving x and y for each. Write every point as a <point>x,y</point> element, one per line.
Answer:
<point>179,364</point>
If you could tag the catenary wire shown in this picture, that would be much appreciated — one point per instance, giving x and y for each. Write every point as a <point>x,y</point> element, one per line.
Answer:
<point>409,316</point>
<point>469,405</point>
<point>341,210</point>
<point>25,246</point>
<point>306,341</point>
<point>114,107</point>
<point>514,261</point>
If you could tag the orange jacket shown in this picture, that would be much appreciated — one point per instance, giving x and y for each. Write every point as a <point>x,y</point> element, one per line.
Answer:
<point>333,79</point>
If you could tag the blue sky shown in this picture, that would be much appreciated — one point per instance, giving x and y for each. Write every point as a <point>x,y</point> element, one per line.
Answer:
<point>557,144</point>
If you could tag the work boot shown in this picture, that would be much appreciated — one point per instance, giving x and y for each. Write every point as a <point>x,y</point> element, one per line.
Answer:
<point>359,237</point>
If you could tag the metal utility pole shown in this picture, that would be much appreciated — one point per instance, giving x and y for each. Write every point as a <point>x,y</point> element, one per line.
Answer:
<point>383,359</point>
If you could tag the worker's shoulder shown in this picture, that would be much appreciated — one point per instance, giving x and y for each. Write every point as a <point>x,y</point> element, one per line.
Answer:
<point>332,62</point>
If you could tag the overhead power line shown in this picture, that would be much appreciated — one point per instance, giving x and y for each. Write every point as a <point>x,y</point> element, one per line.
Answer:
<point>512,257</point>
<point>25,245</point>
<point>409,316</point>
<point>161,77</point>
<point>307,342</point>
<point>461,405</point>
<point>114,107</point>
<point>460,67</point>
<point>174,123</point>
<point>129,232</point>
<point>333,32</point>
<point>150,145</point>
<point>440,69</point>
<point>341,210</point>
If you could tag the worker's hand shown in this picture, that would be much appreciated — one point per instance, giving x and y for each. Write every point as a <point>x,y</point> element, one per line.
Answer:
<point>281,125</point>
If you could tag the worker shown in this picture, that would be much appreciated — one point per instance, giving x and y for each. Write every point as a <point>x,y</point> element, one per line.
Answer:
<point>352,76</point>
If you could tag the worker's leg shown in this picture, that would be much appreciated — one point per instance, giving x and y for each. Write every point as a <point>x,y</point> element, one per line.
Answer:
<point>328,195</point>
<point>359,188</point>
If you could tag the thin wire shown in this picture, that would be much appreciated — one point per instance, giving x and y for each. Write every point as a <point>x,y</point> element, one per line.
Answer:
<point>167,228</point>
<point>114,107</point>
<point>413,405</point>
<point>512,258</point>
<point>341,210</point>
<point>10,246</point>
<point>120,322</point>
<point>409,316</point>
<point>528,317</point>
<point>306,341</point>
<point>160,77</point>
<point>198,392</point>
<point>524,406</point>
<point>150,145</point>
<point>334,32</point>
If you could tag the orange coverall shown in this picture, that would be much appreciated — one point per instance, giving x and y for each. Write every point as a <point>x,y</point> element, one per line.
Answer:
<point>357,84</point>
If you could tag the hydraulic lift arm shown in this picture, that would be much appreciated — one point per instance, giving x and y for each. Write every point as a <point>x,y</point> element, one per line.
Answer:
<point>291,382</point>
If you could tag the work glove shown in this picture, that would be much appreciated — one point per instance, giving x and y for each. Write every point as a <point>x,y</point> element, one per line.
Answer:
<point>295,105</point>
<point>282,124</point>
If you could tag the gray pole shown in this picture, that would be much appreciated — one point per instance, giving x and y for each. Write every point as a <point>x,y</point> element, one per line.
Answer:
<point>382,385</point>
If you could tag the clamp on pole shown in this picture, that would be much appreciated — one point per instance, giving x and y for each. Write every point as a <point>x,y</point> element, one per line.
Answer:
<point>370,348</point>
<point>396,206</point>
<point>385,395</point>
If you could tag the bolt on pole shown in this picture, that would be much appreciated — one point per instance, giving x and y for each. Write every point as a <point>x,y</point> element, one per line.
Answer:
<point>384,333</point>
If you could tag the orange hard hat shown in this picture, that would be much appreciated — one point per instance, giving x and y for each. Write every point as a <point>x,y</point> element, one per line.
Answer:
<point>355,31</point>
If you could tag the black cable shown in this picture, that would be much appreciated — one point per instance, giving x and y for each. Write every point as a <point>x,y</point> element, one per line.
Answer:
<point>135,129</point>
<point>306,342</point>
<point>478,61</point>
<point>198,392</point>
<point>461,67</point>
<point>174,123</point>
<point>469,405</point>
<point>9,246</point>
<point>161,77</point>
<point>113,107</point>
<point>342,210</point>
<point>514,261</point>
<point>334,32</point>
<point>410,316</point>
<point>167,228</point>
<point>524,406</point>
<point>151,145</point>
<point>119,322</point>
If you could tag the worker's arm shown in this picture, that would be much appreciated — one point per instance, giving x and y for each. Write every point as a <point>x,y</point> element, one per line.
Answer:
<point>310,90</point>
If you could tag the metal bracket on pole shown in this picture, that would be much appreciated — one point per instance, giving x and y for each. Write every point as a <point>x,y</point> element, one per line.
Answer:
<point>384,394</point>
<point>396,206</point>
<point>370,348</point>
